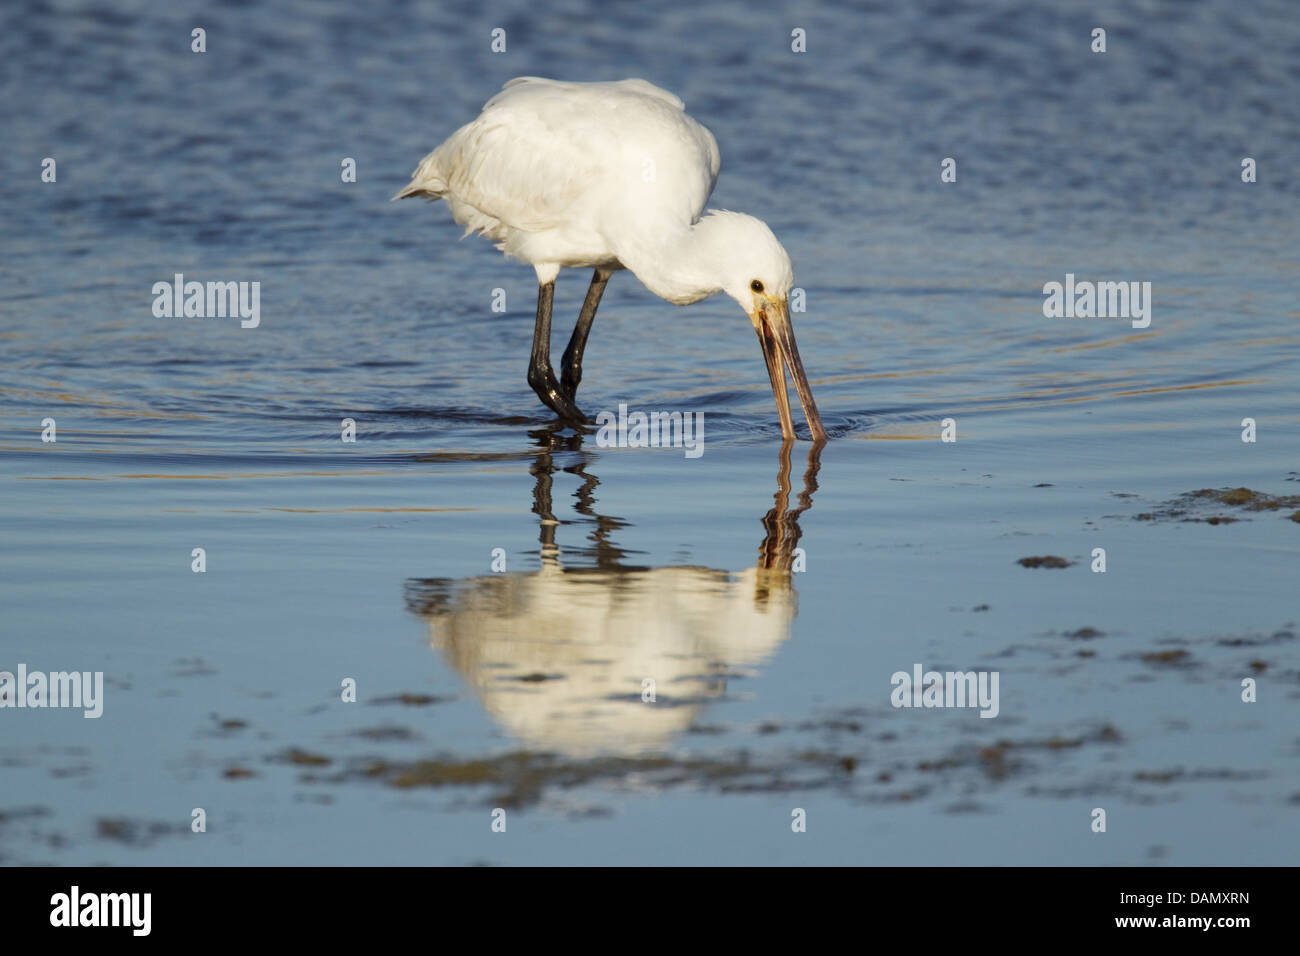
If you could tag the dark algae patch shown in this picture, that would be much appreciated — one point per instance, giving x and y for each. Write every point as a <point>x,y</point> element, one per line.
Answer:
<point>134,832</point>
<point>1191,505</point>
<point>860,768</point>
<point>407,699</point>
<point>386,732</point>
<point>304,758</point>
<point>523,778</point>
<point>1250,500</point>
<point>1044,561</point>
<point>1173,656</point>
<point>1006,758</point>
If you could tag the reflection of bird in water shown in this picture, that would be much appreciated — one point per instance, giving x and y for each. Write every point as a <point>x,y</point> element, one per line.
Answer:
<point>559,655</point>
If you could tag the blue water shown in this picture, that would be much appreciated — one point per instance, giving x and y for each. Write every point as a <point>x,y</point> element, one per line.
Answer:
<point>373,561</point>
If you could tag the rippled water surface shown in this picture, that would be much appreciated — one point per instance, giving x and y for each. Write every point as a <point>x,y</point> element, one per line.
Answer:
<point>769,596</point>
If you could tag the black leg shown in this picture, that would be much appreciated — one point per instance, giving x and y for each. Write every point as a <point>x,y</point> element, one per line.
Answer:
<point>571,365</point>
<point>540,374</point>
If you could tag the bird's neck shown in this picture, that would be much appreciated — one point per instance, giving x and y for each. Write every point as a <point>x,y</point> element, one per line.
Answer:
<point>674,261</point>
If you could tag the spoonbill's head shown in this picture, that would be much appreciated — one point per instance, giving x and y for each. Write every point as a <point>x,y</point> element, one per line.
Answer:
<point>758,275</point>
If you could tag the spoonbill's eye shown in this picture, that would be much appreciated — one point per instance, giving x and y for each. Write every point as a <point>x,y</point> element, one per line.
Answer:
<point>756,286</point>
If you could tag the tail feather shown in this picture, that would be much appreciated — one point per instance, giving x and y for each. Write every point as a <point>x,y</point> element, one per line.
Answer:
<point>426,181</point>
<point>418,189</point>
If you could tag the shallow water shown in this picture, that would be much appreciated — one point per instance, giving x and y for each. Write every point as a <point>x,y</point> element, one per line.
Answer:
<point>523,689</point>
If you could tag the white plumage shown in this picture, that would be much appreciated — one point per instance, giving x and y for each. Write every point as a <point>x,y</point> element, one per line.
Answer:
<point>612,176</point>
<point>603,629</point>
<point>604,632</point>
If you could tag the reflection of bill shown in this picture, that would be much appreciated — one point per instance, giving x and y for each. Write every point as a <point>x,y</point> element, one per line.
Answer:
<point>560,656</point>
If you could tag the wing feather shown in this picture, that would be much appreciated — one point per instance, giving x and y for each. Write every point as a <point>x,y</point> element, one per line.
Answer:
<point>542,151</point>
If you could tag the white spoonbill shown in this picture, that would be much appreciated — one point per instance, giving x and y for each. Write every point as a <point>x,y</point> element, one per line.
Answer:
<point>612,176</point>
